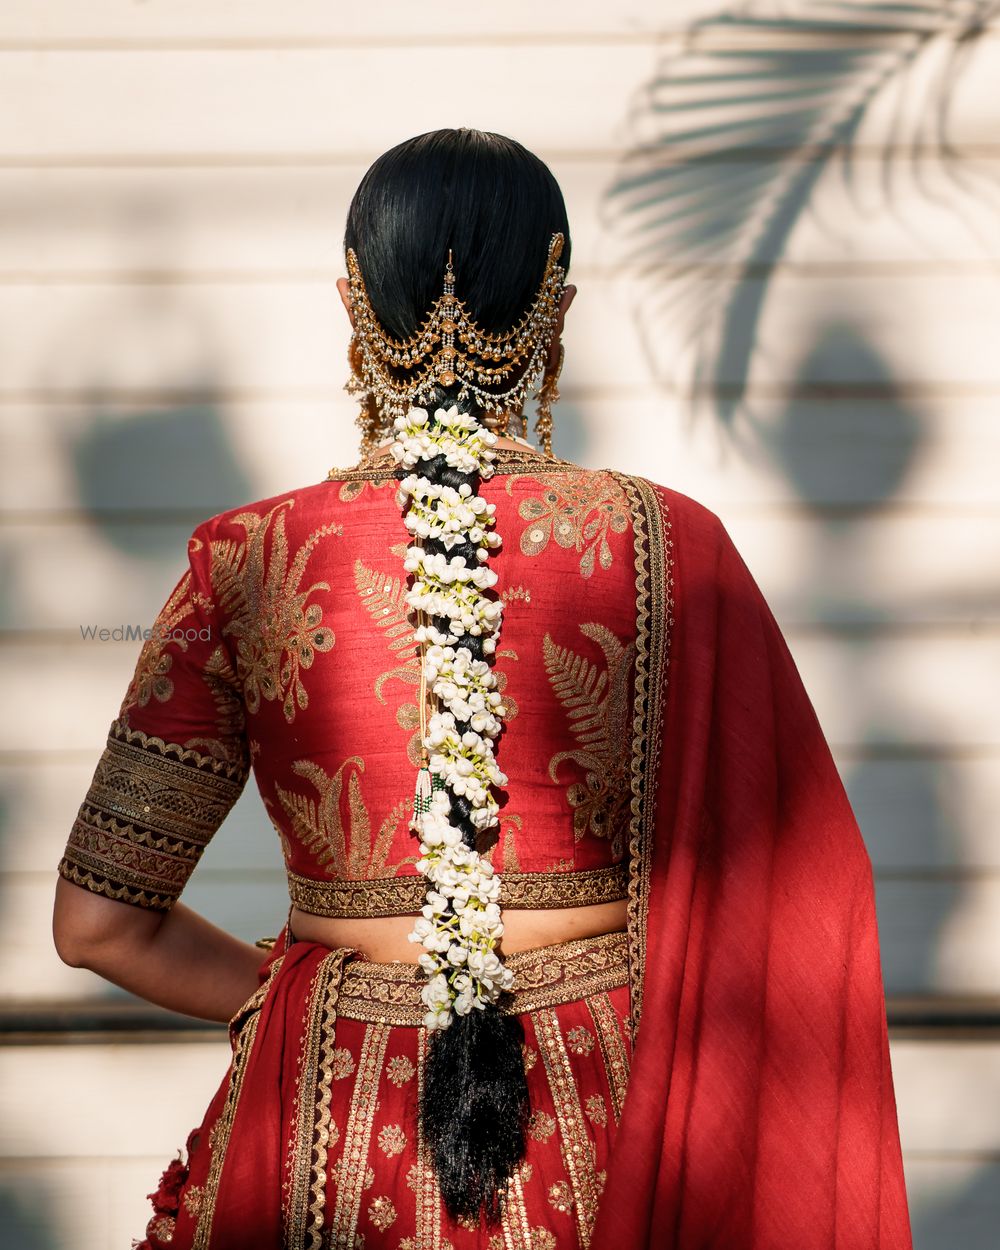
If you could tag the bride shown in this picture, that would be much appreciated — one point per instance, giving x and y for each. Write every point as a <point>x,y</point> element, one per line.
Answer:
<point>581,948</point>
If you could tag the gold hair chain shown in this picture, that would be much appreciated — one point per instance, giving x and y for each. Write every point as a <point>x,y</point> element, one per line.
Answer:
<point>496,370</point>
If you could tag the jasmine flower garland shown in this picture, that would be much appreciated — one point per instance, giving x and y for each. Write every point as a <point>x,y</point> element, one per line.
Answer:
<point>452,532</point>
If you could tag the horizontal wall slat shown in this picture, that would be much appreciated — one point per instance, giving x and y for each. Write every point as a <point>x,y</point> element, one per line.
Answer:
<point>934,456</point>
<point>92,1200</point>
<point>113,1112</point>
<point>92,1203</point>
<point>897,691</point>
<point>930,814</point>
<point>230,20</point>
<point>821,331</point>
<point>115,1109</point>
<point>300,101</point>
<point>177,103</point>
<point>940,936</point>
<point>886,573</point>
<point>190,224</point>
<point>954,1202</point>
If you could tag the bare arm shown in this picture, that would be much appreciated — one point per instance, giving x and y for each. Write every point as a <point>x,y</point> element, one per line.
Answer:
<point>176,959</point>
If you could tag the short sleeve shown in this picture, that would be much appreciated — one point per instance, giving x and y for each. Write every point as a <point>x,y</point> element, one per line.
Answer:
<point>176,758</point>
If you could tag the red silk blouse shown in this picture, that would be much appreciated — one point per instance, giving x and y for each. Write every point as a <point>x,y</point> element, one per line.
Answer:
<point>658,745</point>
<point>286,647</point>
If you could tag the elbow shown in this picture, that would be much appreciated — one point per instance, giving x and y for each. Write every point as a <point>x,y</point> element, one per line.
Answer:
<point>90,931</point>
<point>71,945</point>
<point>68,950</point>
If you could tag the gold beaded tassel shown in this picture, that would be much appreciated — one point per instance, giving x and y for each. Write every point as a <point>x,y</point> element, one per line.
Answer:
<point>367,419</point>
<point>547,396</point>
<point>426,784</point>
<point>444,360</point>
<point>495,369</point>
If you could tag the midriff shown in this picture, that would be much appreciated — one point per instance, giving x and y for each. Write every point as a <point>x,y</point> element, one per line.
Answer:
<point>384,939</point>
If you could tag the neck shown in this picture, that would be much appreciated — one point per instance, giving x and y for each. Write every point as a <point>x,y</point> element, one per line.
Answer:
<point>496,422</point>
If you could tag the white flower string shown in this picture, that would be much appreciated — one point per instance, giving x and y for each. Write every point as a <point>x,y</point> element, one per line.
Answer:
<point>460,924</point>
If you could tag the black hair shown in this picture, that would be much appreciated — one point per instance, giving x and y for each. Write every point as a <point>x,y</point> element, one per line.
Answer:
<point>484,197</point>
<point>495,206</point>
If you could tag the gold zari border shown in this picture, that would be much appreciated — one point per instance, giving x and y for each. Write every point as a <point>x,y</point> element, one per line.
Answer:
<point>243,1030</point>
<point>506,460</point>
<point>616,1060</point>
<point>404,896</point>
<point>350,1173</point>
<point>306,1194</point>
<point>150,811</point>
<point>654,621</point>
<point>389,993</point>
<point>428,1193</point>
<point>573,1134</point>
<point>514,1225</point>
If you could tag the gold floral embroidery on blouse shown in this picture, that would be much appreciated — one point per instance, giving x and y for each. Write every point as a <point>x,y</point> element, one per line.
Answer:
<point>577,511</point>
<point>319,826</point>
<point>384,598</point>
<point>351,489</point>
<point>277,630</point>
<point>152,679</point>
<point>222,681</point>
<point>598,708</point>
<point>502,852</point>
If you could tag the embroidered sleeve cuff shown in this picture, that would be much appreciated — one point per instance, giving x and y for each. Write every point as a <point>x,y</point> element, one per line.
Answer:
<point>151,810</point>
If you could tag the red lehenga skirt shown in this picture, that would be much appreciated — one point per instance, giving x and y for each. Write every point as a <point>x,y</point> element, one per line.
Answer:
<point>312,1139</point>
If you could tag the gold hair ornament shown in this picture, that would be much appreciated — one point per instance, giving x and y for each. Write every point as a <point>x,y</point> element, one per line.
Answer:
<point>547,396</point>
<point>390,376</point>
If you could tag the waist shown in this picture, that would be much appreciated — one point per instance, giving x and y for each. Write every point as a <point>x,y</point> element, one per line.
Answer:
<point>386,939</point>
<point>389,993</point>
<point>404,896</point>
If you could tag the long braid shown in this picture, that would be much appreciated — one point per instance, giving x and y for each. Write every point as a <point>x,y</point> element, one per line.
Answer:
<point>474,1106</point>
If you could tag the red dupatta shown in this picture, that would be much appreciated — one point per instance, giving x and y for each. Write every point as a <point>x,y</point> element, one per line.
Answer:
<point>760,1111</point>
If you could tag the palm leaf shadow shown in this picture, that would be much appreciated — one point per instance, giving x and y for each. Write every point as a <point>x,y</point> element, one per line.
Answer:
<point>732,135</point>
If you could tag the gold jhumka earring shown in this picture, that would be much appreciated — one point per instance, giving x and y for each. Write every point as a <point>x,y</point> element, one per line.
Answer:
<point>367,419</point>
<point>496,371</point>
<point>547,396</point>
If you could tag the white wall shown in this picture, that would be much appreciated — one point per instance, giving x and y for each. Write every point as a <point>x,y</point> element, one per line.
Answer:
<point>788,308</point>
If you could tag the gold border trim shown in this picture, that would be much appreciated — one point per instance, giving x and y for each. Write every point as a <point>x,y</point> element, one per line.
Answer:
<point>303,1217</point>
<point>99,883</point>
<point>389,993</point>
<point>654,621</point>
<point>507,460</point>
<point>350,1176</point>
<point>514,1225</point>
<point>244,1025</point>
<point>616,1061</point>
<point>428,1194</point>
<point>574,1138</point>
<point>404,896</point>
<point>150,810</point>
<point>236,773</point>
